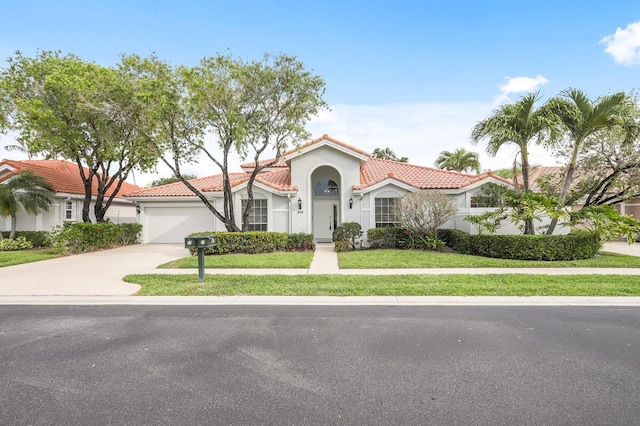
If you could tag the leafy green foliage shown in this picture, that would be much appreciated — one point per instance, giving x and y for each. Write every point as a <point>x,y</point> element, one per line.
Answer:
<point>576,245</point>
<point>82,237</point>
<point>342,245</point>
<point>522,209</point>
<point>246,242</point>
<point>384,238</point>
<point>300,242</point>
<point>606,222</point>
<point>417,240</point>
<point>459,160</point>
<point>388,154</point>
<point>349,231</point>
<point>168,180</point>
<point>20,243</point>
<point>36,238</point>
<point>63,106</point>
<point>26,190</point>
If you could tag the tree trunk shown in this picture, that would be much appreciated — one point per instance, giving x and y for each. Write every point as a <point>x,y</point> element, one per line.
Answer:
<point>567,183</point>
<point>14,221</point>
<point>529,228</point>
<point>86,203</point>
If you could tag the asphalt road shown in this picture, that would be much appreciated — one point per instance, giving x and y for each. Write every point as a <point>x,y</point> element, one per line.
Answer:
<point>323,365</point>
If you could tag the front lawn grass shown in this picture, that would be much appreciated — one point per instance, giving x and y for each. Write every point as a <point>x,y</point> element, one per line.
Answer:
<point>277,260</point>
<point>388,285</point>
<point>403,259</point>
<point>16,257</point>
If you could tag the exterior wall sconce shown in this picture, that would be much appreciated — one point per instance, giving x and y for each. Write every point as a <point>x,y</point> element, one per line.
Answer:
<point>138,209</point>
<point>299,204</point>
<point>350,203</point>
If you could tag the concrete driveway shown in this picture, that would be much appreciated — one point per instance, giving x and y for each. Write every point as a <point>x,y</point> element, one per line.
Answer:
<point>90,274</point>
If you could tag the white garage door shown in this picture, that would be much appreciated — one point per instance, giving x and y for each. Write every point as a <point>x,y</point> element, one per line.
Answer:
<point>172,224</point>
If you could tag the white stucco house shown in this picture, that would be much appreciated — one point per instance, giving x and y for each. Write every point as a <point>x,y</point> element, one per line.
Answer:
<point>312,188</point>
<point>68,198</point>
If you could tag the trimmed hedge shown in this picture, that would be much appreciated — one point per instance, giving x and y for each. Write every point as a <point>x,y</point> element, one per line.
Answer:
<point>300,242</point>
<point>384,238</point>
<point>81,237</point>
<point>575,245</point>
<point>246,242</point>
<point>36,238</point>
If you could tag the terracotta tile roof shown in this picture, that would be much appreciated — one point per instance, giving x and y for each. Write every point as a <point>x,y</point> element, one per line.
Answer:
<point>64,176</point>
<point>281,163</point>
<point>279,180</point>
<point>373,171</point>
<point>376,170</point>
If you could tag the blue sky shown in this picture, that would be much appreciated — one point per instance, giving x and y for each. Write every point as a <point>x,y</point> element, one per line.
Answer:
<point>411,75</point>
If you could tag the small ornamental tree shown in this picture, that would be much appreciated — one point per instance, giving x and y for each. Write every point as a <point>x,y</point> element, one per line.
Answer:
<point>425,211</point>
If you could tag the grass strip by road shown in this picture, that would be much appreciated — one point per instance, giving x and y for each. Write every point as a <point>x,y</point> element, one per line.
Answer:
<point>9,258</point>
<point>402,259</point>
<point>278,260</point>
<point>388,285</point>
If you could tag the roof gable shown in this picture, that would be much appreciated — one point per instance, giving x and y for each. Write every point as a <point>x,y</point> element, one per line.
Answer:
<point>326,140</point>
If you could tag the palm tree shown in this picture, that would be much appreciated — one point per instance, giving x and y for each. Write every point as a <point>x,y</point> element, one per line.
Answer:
<point>25,190</point>
<point>519,124</point>
<point>459,160</point>
<point>388,154</point>
<point>583,118</point>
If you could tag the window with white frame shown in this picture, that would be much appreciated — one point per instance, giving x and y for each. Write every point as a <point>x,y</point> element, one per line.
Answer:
<point>257,220</point>
<point>386,215</point>
<point>69,211</point>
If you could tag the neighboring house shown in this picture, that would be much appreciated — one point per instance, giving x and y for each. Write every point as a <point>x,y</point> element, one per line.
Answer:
<point>68,197</point>
<point>312,189</point>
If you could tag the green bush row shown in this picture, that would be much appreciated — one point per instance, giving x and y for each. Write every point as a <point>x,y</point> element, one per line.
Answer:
<point>257,242</point>
<point>36,238</point>
<point>575,245</point>
<point>82,237</point>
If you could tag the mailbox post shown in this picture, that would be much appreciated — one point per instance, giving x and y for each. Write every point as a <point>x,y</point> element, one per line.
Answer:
<point>200,242</point>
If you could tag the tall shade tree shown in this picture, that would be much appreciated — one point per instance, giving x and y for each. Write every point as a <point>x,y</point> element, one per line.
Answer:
<point>518,124</point>
<point>249,108</point>
<point>388,154</point>
<point>459,160</point>
<point>582,119</point>
<point>64,107</point>
<point>25,190</point>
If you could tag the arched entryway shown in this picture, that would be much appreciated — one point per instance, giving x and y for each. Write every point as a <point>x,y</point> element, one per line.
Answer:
<point>326,186</point>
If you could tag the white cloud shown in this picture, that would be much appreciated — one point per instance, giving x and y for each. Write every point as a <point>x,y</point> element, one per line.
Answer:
<point>624,45</point>
<point>514,85</point>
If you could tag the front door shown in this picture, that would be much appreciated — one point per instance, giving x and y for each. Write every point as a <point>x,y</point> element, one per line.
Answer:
<point>324,219</point>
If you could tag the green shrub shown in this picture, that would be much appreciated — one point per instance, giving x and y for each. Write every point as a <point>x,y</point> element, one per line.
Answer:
<point>36,238</point>
<point>246,242</point>
<point>384,238</point>
<point>82,237</point>
<point>342,245</point>
<point>130,233</point>
<point>300,242</point>
<point>576,245</point>
<point>420,240</point>
<point>348,231</point>
<point>454,238</point>
<point>20,243</point>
